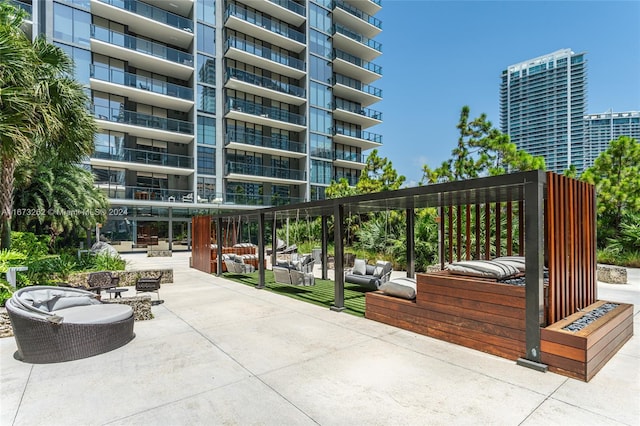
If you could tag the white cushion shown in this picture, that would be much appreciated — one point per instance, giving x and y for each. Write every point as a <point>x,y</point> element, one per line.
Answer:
<point>104,313</point>
<point>71,301</point>
<point>400,287</point>
<point>516,261</point>
<point>483,269</point>
<point>359,267</point>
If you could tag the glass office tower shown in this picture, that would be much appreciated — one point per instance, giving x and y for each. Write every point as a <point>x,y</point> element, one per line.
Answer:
<point>602,128</point>
<point>543,102</point>
<point>218,104</point>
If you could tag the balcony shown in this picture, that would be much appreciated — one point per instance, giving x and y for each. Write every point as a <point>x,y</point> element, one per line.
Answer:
<point>265,87</point>
<point>358,45</point>
<point>144,125</point>
<point>364,117</point>
<point>141,53</point>
<point>260,200</point>
<point>356,91</point>
<point>141,89</point>
<point>245,141</point>
<point>352,180</point>
<point>242,110</point>
<point>263,57</point>
<point>144,194</point>
<point>284,10</point>
<point>147,20</point>
<point>370,7</point>
<point>264,28</point>
<point>348,160</point>
<point>360,138</point>
<point>361,22</point>
<point>355,67</point>
<point>258,173</point>
<point>147,161</point>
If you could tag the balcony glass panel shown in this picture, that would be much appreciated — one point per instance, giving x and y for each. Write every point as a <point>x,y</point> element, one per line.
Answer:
<point>147,157</point>
<point>260,200</point>
<point>359,14</point>
<point>360,134</point>
<point>265,82</point>
<point>357,37</point>
<point>339,54</point>
<point>354,108</point>
<point>138,119</point>
<point>292,6</point>
<point>155,13</point>
<point>358,85</point>
<point>141,45</point>
<point>104,73</point>
<point>349,156</point>
<point>264,52</point>
<point>251,138</point>
<point>265,171</point>
<point>263,111</point>
<point>264,22</point>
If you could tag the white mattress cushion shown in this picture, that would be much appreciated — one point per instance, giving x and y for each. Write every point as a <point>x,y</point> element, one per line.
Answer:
<point>104,313</point>
<point>483,269</point>
<point>516,261</point>
<point>400,287</point>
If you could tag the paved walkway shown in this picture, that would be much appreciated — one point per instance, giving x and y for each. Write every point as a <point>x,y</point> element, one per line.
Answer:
<point>219,352</point>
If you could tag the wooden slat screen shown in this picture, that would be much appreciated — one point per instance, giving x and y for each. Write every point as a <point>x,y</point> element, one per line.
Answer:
<point>570,227</point>
<point>201,243</point>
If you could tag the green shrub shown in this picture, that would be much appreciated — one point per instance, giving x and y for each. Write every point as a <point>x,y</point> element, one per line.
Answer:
<point>5,291</point>
<point>105,262</point>
<point>31,245</point>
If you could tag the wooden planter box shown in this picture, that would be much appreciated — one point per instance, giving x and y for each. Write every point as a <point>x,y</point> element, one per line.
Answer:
<point>581,354</point>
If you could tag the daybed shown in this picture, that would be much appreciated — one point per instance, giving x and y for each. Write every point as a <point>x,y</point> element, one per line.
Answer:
<point>299,272</point>
<point>235,264</point>
<point>56,324</point>
<point>369,276</point>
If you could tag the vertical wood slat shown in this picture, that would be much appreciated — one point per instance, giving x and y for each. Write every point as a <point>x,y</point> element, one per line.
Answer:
<point>468,232</point>
<point>487,231</point>
<point>550,224</point>
<point>458,232</point>
<point>520,228</point>
<point>442,239</point>
<point>450,221</point>
<point>201,243</point>
<point>478,231</point>
<point>498,229</point>
<point>509,229</point>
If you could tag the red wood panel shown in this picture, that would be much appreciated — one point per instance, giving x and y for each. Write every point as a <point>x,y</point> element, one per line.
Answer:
<point>468,231</point>
<point>498,229</point>
<point>201,243</point>
<point>458,233</point>
<point>487,231</point>
<point>478,232</point>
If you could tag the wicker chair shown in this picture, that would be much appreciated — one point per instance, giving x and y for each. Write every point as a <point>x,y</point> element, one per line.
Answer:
<point>52,336</point>
<point>149,284</point>
<point>98,281</point>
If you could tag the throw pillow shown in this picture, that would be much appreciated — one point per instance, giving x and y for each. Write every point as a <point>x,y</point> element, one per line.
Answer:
<point>359,267</point>
<point>400,287</point>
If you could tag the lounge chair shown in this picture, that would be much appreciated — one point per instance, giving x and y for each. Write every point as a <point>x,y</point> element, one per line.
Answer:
<point>235,264</point>
<point>149,284</point>
<point>56,324</point>
<point>369,276</point>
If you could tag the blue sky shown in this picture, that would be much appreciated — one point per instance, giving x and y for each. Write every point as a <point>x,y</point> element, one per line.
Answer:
<point>441,55</point>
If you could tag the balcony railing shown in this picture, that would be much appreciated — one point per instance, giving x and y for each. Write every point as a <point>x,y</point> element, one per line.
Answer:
<point>140,45</point>
<point>359,134</point>
<point>122,192</point>
<point>264,22</point>
<point>264,52</point>
<point>352,180</point>
<point>358,13</point>
<point>138,119</point>
<point>339,54</point>
<point>140,156</point>
<point>265,82</point>
<point>349,156</point>
<point>241,136</point>
<point>357,37</point>
<point>264,171</point>
<point>358,85</point>
<point>367,112</point>
<point>117,76</point>
<point>260,200</point>
<point>152,12</point>
<point>263,111</point>
<point>24,6</point>
<point>292,6</point>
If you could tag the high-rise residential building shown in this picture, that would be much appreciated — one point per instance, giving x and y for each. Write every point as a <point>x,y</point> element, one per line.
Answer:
<point>602,128</point>
<point>218,104</point>
<point>543,102</point>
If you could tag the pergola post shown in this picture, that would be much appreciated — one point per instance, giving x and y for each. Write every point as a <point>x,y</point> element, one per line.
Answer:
<point>338,241</point>
<point>325,240</point>
<point>260,251</point>
<point>411,256</point>
<point>274,242</point>
<point>534,255</point>
<point>219,246</point>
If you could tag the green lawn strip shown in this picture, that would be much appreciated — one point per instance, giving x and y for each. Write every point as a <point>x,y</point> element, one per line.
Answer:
<point>322,293</point>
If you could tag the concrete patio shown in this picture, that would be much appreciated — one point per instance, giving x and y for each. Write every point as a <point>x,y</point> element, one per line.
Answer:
<point>219,352</point>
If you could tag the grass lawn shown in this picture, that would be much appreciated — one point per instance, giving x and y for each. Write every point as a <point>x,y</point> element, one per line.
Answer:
<point>319,294</point>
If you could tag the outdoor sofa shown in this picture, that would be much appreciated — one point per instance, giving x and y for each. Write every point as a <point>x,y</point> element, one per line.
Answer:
<point>369,276</point>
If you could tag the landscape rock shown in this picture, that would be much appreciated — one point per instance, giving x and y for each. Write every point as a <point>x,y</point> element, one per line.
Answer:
<point>104,248</point>
<point>612,274</point>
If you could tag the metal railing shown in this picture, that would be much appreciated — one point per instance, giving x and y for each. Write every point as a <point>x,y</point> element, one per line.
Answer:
<point>264,171</point>
<point>265,82</point>
<point>337,28</point>
<point>240,105</point>
<point>356,84</point>
<point>140,156</point>
<point>264,22</point>
<point>358,13</point>
<point>264,52</point>
<point>349,156</point>
<point>122,192</point>
<point>370,66</point>
<point>292,6</point>
<point>140,45</point>
<point>241,136</point>
<point>152,12</point>
<point>260,200</point>
<point>117,76</point>
<point>138,119</point>
<point>348,106</point>
<point>359,134</point>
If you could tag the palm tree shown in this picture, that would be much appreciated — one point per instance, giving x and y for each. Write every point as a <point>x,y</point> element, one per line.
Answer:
<point>42,109</point>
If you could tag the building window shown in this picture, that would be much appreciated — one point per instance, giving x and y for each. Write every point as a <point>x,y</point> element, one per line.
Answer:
<point>320,172</point>
<point>206,161</point>
<point>206,11</point>
<point>207,70</point>
<point>71,25</point>
<point>206,39</point>
<point>206,99</point>
<point>206,130</point>
<point>320,120</point>
<point>320,95</point>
